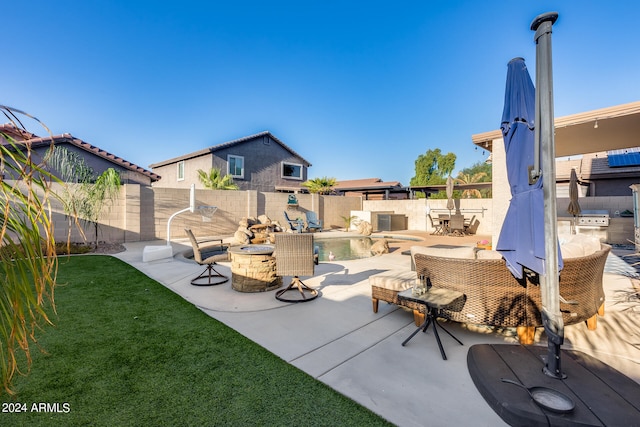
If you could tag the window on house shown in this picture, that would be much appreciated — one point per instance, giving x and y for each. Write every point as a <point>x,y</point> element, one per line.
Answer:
<point>291,170</point>
<point>235,166</point>
<point>181,170</point>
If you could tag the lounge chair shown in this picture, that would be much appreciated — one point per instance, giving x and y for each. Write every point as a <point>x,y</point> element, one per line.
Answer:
<point>313,223</point>
<point>296,225</point>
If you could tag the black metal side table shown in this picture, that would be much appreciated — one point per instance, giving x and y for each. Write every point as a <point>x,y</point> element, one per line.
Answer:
<point>434,300</point>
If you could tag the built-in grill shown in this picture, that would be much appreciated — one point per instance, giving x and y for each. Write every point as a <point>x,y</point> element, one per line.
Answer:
<point>596,218</point>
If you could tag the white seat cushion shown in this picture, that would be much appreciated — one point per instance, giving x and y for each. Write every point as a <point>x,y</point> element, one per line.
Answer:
<point>488,254</point>
<point>396,280</point>
<point>465,252</point>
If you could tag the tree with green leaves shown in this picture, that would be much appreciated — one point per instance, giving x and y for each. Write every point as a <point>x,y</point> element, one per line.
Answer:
<point>479,172</point>
<point>432,168</point>
<point>28,262</point>
<point>322,185</point>
<point>214,180</point>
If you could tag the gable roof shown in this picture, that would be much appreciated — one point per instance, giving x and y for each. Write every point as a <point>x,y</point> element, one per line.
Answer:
<point>66,138</point>
<point>228,144</point>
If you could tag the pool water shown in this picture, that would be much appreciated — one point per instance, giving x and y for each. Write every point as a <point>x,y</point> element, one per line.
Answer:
<point>347,248</point>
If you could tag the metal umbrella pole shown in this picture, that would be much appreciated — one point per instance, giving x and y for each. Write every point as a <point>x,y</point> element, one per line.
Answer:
<point>544,136</point>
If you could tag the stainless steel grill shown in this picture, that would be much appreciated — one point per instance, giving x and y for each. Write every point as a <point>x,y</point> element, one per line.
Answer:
<point>597,218</point>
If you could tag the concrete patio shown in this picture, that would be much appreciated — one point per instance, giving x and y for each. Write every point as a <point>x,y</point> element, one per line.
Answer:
<point>338,339</point>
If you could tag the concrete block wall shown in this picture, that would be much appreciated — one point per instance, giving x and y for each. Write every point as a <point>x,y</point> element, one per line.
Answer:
<point>141,213</point>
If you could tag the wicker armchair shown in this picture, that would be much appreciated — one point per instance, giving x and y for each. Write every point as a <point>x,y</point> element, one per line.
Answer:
<point>496,298</point>
<point>295,257</point>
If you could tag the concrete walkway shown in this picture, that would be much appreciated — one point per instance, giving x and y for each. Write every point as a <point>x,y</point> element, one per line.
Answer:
<point>338,339</point>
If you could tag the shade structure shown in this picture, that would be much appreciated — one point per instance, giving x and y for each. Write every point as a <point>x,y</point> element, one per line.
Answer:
<point>449,189</point>
<point>521,240</point>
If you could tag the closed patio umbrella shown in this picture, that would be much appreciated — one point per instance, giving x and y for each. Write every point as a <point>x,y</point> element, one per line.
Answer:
<point>522,239</point>
<point>574,205</point>
<point>449,189</point>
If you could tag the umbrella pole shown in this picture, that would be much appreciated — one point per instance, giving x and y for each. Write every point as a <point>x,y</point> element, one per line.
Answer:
<point>551,316</point>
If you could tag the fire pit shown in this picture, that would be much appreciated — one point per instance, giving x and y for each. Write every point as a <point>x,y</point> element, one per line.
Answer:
<point>253,269</point>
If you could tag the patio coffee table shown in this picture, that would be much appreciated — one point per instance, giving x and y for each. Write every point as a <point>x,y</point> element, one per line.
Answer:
<point>433,300</point>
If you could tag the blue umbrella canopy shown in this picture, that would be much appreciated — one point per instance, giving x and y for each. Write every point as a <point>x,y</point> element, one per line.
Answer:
<point>521,240</point>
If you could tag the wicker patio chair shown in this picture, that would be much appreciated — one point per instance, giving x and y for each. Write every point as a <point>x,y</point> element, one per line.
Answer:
<point>294,256</point>
<point>216,252</point>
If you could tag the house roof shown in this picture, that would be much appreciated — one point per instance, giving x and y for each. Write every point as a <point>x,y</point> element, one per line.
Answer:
<point>589,132</point>
<point>593,166</point>
<point>66,138</point>
<point>228,144</point>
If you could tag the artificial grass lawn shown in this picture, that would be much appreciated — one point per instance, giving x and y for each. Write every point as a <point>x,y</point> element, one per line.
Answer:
<point>126,351</point>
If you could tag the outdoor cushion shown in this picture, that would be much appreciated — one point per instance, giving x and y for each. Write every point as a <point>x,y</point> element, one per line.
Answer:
<point>572,250</point>
<point>590,244</point>
<point>465,252</point>
<point>396,280</point>
<point>488,254</point>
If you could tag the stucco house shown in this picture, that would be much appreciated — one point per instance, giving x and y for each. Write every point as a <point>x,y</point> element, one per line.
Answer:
<point>96,158</point>
<point>258,162</point>
<point>589,140</point>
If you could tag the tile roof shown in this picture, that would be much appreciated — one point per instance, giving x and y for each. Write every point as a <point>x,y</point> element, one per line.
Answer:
<point>36,141</point>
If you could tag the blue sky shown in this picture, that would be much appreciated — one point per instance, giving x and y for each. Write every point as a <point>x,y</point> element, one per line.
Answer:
<point>359,89</point>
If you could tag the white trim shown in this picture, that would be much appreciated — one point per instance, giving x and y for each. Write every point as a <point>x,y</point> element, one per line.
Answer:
<point>229,157</point>
<point>282,165</point>
<point>179,175</point>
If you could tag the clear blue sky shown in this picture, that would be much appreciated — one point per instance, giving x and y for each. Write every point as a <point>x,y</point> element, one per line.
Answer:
<point>359,89</point>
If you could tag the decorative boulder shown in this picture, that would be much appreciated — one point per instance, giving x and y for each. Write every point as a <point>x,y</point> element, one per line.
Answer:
<point>365,228</point>
<point>380,247</point>
<point>243,235</point>
<point>241,238</point>
<point>263,219</point>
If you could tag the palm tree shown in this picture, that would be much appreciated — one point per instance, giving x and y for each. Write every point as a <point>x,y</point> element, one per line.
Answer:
<point>83,195</point>
<point>470,179</point>
<point>102,192</point>
<point>322,185</point>
<point>215,181</point>
<point>28,262</point>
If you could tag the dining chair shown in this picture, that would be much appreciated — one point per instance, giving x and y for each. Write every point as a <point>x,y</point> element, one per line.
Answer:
<point>456,224</point>
<point>468,223</point>
<point>436,225</point>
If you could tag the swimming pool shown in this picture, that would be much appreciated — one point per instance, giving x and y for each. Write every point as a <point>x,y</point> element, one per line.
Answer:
<point>348,248</point>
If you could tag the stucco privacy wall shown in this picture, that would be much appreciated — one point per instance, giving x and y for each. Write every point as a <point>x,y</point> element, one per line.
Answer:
<point>141,213</point>
<point>416,211</point>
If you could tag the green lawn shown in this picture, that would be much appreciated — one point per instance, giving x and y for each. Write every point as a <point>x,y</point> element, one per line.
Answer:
<point>126,351</point>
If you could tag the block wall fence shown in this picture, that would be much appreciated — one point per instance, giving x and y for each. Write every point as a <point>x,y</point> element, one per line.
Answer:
<point>141,213</point>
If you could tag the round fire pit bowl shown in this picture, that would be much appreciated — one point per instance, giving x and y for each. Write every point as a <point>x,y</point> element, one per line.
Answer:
<point>253,268</point>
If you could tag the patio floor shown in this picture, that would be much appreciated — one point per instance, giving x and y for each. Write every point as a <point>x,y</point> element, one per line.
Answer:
<point>338,339</point>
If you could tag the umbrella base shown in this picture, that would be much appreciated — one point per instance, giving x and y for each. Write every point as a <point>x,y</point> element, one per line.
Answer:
<point>603,395</point>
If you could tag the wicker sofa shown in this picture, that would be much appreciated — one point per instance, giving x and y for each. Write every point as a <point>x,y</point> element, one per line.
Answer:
<point>495,297</point>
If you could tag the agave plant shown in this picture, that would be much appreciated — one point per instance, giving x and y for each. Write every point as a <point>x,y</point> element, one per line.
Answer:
<point>28,261</point>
